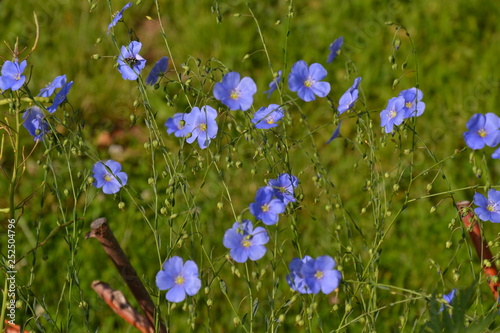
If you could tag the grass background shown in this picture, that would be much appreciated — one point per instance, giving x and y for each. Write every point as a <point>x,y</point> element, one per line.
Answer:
<point>457,53</point>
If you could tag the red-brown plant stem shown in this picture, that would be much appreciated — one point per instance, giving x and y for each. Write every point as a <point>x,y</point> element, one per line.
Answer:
<point>12,328</point>
<point>480,243</point>
<point>100,230</point>
<point>117,301</point>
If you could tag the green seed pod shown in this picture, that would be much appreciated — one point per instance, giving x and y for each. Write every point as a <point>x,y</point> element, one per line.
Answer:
<point>96,57</point>
<point>151,180</point>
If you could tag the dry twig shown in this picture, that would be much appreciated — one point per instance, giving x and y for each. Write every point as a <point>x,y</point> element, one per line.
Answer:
<point>481,245</point>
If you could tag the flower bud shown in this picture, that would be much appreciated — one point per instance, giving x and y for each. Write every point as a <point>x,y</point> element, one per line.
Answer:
<point>121,205</point>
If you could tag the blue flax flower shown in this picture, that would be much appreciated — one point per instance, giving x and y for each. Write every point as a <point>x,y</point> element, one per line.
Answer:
<point>489,209</point>
<point>283,187</point>
<point>177,125</point>
<point>274,84</point>
<point>496,154</point>
<point>335,49</point>
<point>60,97</point>
<point>202,125</point>
<point>266,117</point>
<point>35,123</point>
<point>296,279</point>
<point>157,71</point>
<point>57,83</point>
<point>12,75</point>
<point>266,208</point>
<point>107,179</point>
<point>348,99</point>
<point>130,63</point>
<point>118,16</point>
<point>448,298</point>
<point>181,278</point>
<point>235,94</point>
<point>394,114</point>
<point>335,134</point>
<point>320,275</point>
<point>306,81</point>
<point>414,107</point>
<point>483,130</point>
<point>245,242</point>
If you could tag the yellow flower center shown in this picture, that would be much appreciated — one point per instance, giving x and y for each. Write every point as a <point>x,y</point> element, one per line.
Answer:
<point>282,189</point>
<point>482,132</point>
<point>179,280</point>
<point>491,207</point>
<point>308,83</point>
<point>318,275</point>
<point>17,77</point>
<point>392,114</point>
<point>408,104</point>
<point>203,127</point>
<point>108,177</point>
<point>181,124</point>
<point>235,94</point>
<point>270,120</point>
<point>246,242</point>
<point>265,208</point>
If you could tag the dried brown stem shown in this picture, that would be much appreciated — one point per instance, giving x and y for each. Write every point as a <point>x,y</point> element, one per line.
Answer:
<point>480,243</point>
<point>100,230</point>
<point>12,328</point>
<point>117,301</point>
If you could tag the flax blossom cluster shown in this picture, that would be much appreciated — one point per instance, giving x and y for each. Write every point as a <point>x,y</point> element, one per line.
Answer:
<point>246,242</point>
<point>310,276</point>
<point>484,130</point>
<point>34,120</point>
<point>199,125</point>
<point>407,105</point>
